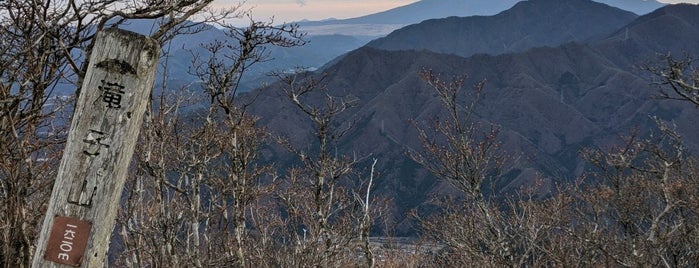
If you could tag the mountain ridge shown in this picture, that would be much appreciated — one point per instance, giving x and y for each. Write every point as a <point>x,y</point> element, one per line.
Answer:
<point>527,24</point>
<point>548,102</point>
<point>423,10</point>
<point>384,22</point>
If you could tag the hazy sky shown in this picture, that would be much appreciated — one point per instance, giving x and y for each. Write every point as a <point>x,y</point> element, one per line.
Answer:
<point>294,10</point>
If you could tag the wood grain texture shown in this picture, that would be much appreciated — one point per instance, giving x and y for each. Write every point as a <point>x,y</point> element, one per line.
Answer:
<point>102,138</point>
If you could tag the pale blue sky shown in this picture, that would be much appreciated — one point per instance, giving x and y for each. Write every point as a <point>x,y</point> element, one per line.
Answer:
<point>295,10</point>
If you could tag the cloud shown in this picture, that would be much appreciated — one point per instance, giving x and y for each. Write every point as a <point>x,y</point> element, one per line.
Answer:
<point>301,2</point>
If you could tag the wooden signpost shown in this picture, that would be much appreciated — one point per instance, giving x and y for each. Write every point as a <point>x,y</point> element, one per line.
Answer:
<point>106,123</point>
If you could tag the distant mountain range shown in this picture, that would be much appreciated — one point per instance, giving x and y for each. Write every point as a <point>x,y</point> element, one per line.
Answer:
<point>528,24</point>
<point>382,23</point>
<point>426,9</point>
<point>566,78</point>
<point>562,75</point>
<point>328,40</point>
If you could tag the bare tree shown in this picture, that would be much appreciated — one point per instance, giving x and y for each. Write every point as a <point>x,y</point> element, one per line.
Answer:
<point>460,156</point>
<point>328,222</point>
<point>638,207</point>
<point>475,226</point>
<point>678,79</point>
<point>200,170</point>
<point>44,47</point>
<point>31,63</point>
<point>643,213</point>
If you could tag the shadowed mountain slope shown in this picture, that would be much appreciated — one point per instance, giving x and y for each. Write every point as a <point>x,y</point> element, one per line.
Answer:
<point>549,103</point>
<point>673,29</point>
<point>528,24</point>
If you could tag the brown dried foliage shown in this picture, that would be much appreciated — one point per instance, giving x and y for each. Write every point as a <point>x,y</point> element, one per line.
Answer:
<point>199,197</point>
<point>638,209</point>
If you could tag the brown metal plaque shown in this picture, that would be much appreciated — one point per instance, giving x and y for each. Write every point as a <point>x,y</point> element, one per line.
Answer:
<point>67,241</point>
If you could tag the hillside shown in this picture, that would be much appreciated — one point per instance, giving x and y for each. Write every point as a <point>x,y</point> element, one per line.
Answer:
<point>527,24</point>
<point>549,102</point>
<point>672,29</point>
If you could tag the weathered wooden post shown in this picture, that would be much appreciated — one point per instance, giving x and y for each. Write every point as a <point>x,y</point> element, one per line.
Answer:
<point>106,123</point>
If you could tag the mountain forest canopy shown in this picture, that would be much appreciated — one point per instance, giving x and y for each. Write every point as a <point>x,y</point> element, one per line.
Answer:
<point>555,133</point>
